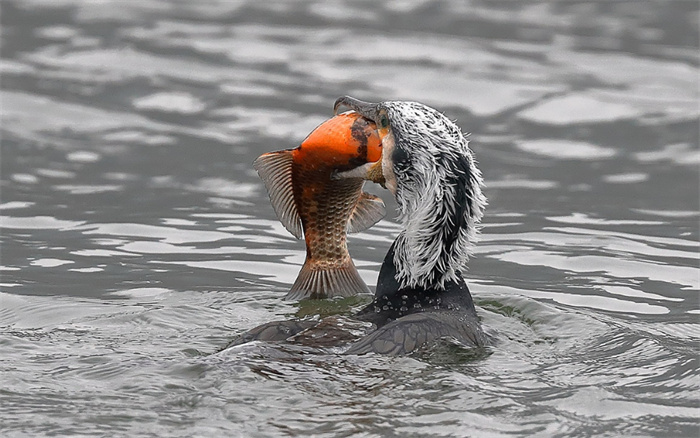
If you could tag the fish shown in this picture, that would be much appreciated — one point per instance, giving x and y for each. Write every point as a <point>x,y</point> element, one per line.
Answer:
<point>309,200</point>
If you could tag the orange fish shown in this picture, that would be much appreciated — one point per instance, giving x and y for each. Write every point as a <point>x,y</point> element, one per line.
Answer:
<point>306,198</point>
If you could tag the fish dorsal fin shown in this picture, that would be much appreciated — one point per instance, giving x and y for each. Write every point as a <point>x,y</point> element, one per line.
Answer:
<point>275,169</point>
<point>368,211</point>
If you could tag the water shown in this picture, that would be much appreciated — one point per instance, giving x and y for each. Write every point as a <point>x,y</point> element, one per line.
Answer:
<point>137,240</point>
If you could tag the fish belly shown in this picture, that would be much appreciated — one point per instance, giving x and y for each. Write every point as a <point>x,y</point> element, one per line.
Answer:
<point>324,207</point>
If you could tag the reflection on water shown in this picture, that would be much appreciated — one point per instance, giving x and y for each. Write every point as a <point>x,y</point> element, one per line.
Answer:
<point>137,240</point>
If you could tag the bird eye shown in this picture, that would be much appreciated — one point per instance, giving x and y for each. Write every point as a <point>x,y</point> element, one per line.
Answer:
<point>383,121</point>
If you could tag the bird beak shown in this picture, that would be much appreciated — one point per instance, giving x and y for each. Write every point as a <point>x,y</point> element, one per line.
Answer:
<point>367,109</point>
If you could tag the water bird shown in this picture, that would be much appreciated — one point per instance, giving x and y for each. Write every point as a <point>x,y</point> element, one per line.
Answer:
<point>427,165</point>
<point>309,202</point>
<point>421,295</point>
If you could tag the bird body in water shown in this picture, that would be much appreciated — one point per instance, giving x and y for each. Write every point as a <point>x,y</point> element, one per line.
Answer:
<point>308,201</point>
<point>421,295</point>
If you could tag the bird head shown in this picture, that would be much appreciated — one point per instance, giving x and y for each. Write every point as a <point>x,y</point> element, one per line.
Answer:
<point>427,165</point>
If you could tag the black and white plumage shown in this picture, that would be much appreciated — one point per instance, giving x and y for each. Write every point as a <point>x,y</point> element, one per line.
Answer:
<point>428,166</point>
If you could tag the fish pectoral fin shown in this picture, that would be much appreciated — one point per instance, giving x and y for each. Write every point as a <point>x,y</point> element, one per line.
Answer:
<point>275,169</point>
<point>368,211</point>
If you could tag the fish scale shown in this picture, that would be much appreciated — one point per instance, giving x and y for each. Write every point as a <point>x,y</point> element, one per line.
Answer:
<point>308,200</point>
<point>324,216</point>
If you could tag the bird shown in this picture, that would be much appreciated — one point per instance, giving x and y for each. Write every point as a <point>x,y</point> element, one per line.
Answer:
<point>427,165</point>
<point>421,294</point>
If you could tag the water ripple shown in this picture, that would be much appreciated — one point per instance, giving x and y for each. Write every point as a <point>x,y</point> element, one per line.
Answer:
<point>137,240</point>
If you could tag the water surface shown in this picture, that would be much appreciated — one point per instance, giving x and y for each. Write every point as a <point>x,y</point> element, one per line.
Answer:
<point>137,240</point>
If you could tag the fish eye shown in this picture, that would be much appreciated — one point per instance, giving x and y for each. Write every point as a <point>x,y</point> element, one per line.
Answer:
<point>383,121</point>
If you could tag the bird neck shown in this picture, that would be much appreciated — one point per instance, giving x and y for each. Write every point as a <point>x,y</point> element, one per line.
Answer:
<point>390,282</point>
<point>440,204</point>
<point>439,214</point>
<point>393,301</point>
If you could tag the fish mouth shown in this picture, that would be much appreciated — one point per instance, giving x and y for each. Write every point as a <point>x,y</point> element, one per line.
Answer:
<point>370,171</point>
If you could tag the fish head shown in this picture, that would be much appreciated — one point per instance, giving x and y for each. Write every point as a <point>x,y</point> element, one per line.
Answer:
<point>381,171</point>
<point>340,144</point>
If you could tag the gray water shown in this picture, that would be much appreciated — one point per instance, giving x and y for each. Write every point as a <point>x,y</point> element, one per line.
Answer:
<point>137,240</point>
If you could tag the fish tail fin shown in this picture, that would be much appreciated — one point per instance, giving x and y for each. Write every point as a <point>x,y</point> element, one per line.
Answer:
<point>312,282</point>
